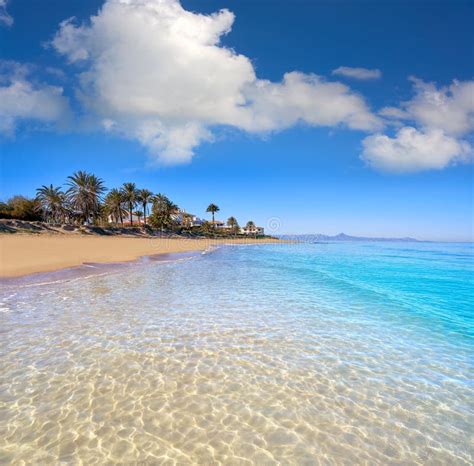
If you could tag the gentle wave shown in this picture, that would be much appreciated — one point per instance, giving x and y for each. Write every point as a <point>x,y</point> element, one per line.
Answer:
<point>275,354</point>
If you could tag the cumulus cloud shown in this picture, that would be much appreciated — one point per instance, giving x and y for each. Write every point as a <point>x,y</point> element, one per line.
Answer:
<point>357,73</point>
<point>5,18</point>
<point>151,71</point>
<point>23,100</point>
<point>306,98</point>
<point>174,144</point>
<point>443,116</point>
<point>394,113</point>
<point>412,150</point>
<point>449,108</point>
<point>158,74</point>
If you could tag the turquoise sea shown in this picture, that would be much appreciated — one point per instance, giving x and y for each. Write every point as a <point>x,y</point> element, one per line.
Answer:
<point>337,353</point>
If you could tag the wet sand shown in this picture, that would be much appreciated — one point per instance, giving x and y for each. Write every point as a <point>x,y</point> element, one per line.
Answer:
<point>25,254</point>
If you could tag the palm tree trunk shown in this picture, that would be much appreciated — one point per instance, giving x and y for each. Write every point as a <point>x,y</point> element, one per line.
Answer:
<point>131,219</point>
<point>144,213</point>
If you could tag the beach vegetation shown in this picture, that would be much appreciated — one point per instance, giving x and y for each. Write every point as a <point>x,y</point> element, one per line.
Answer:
<point>207,228</point>
<point>213,208</point>
<point>144,197</point>
<point>53,203</point>
<point>84,195</point>
<point>162,212</point>
<point>130,194</point>
<point>21,208</point>
<point>115,205</point>
<point>233,225</point>
<point>86,203</point>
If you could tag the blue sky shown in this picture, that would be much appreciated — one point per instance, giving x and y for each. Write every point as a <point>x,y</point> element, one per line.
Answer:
<point>191,102</point>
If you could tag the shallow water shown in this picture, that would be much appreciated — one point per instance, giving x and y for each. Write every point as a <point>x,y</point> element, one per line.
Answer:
<point>294,354</point>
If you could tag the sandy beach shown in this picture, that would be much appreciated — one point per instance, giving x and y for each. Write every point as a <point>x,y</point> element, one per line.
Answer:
<point>25,254</point>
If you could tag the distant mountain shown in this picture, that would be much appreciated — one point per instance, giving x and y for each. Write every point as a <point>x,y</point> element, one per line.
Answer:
<point>318,237</point>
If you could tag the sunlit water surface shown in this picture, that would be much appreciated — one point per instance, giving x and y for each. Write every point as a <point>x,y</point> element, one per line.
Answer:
<point>277,354</point>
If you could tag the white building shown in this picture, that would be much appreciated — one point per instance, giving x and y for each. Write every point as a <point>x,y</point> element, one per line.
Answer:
<point>196,221</point>
<point>259,231</point>
<point>185,218</point>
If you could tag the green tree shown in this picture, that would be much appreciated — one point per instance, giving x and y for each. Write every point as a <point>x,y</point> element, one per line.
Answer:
<point>114,203</point>
<point>138,214</point>
<point>162,211</point>
<point>144,197</point>
<point>207,228</point>
<point>23,208</point>
<point>4,210</point>
<point>233,224</point>
<point>213,208</point>
<point>85,194</point>
<point>102,215</point>
<point>53,203</point>
<point>131,196</point>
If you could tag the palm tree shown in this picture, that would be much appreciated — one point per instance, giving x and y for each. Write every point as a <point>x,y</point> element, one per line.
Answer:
<point>114,203</point>
<point>144,196</point>
<point>52,201</point>
<point>85,194</point>
<point>138,214</point>
<point>233,224</point>
<point>130,195</point>
<point>162,211</point>
<point>213,208</point>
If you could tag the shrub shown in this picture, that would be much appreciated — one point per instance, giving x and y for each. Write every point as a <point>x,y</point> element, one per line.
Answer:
<point>21,208</point>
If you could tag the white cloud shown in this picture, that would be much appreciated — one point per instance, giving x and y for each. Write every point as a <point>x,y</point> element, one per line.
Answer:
<point>174,144</point>
<point>21,99</point>
<point>443,116</point>
<point>306,98</point>
<point>158,74</point>
<point>153,72</point>
<point>393,112</point>
<point>5,18</point>
<point>412,150</point>
<point>449,108</point>
<point>357,73</point>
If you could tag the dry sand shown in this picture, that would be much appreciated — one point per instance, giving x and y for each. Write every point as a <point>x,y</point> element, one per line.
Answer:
<point>23,254</point>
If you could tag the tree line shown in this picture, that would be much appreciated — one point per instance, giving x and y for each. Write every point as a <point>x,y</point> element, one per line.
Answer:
<point>86,200</point>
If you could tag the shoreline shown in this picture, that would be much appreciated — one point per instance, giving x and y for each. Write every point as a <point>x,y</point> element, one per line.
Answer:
<point>26,254</point>
<point>95,269</point>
